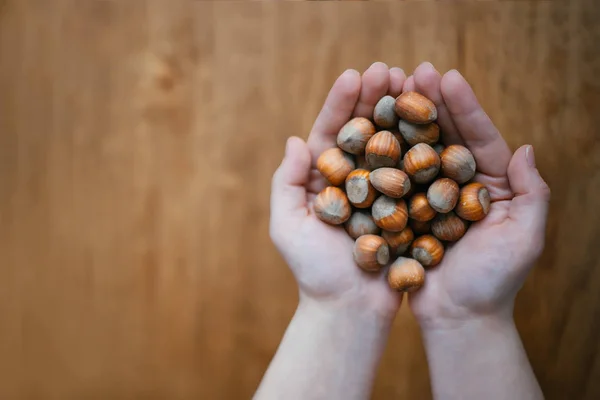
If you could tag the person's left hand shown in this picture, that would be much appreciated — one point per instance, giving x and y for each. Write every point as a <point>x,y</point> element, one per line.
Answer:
<point>320,255</point>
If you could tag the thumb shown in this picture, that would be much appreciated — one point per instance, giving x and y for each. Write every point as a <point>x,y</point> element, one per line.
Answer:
<point>288,192</point>
<point>529,207</point>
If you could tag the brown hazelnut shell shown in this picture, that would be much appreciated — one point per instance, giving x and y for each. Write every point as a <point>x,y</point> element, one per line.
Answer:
<point>390,214</point>
<point>332,206</point>
<point>371,252</point>
<point>359,190</point>
<point>442,195</point>
<point>406,275</point>
<point>335,165</point>
<point>428,250</point>
<point>473,202</point>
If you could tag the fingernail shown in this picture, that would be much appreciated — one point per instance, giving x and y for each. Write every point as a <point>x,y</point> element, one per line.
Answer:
<point>529,156</point>
<point>350,72</point>
<point>427,64</point>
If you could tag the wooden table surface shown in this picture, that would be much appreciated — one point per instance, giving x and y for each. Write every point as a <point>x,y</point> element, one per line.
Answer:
<point>137,143</point>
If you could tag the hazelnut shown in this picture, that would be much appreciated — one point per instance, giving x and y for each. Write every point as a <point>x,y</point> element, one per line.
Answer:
<point>414,134</point>
<point>415,108</point>
<point>335,165</point>
<point>427,250</point>
<point>384,114</point>
<point>419,208</point>
<point>442,195</point>
<point>473,202</point>
<point>332,206</point>
<point>390,181</point>
<point>371,252</point>
<point>361,223</point>
<point>406,275</point>
<point>399,242</point>
<point>382,150</point>
<point>359,189</point>
<point>448,227</point>
<point>420,227</point>
<point>457,163</point>
<point>390,214</point>
<point>421,163</point>
<point>355,134</point>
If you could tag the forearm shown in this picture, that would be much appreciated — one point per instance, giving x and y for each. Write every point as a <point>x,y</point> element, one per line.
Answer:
<point>326,353</point>
<point>482,359</point>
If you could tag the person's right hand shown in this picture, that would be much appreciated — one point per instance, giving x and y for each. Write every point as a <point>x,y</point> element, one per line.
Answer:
<point>481,274</point>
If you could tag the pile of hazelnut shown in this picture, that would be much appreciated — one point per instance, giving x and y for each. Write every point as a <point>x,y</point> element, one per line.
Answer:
<point>398,191</point>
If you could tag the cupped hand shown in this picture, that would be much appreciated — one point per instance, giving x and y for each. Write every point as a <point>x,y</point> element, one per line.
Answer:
<point>481,274</point>
<point>320,255</point>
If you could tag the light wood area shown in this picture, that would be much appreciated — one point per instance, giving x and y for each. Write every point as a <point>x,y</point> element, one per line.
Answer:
<point>137,143</point>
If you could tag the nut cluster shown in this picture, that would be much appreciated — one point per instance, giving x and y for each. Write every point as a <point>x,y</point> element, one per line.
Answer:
<point>398,191</point>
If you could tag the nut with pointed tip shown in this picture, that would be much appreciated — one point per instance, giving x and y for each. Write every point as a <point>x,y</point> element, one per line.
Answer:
<point>332,206</point>
<point>414,133</point>
<point>399,242</point>
<point>419,208</point>
<point>359,189</point>
<point>406,275</point>
<point>421,163</point>
<point>390,214</point>
<point>457,163</point>
<point>335,165</point>
<point>442,195</point>
<point>361,223</point>
<point>448,227</point>
<point>355,134</point>
<point>384,113</point>
<point>383,150</point>
<point>427,250</point>
<point>420,227</point>
<point>390,181</point>
<point>371,252</point>
<point>473,202</point>
<point>415,108</point>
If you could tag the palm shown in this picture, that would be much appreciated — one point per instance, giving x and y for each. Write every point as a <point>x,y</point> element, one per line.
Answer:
<point>470,277</point>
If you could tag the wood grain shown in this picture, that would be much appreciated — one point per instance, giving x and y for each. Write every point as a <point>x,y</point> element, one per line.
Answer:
<point>137,143</point>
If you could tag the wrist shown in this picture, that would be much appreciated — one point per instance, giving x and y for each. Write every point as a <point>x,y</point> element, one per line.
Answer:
<point>334,313</point>
<point>454,317</point>
<point>479,358</point>
<point>474,328</point>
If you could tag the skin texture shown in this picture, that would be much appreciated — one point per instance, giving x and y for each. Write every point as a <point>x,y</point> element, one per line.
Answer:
<point>471,316</point>
<point>344,314</point>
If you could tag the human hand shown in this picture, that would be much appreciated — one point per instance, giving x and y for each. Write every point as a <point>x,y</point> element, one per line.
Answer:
<point>481,274</point>
<point>320,255</point>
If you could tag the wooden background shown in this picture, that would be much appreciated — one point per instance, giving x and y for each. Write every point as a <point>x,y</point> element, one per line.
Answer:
<point>137,143</point>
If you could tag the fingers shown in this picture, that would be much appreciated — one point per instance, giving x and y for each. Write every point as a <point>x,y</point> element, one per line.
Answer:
<point>288,193</point>
<point>529,207</point>
<point>375,83</point>
<point>476,129</point>
<point>409,84</point>
<point>336,111</point>
<point>428,83</point>
<point>397,78</point>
